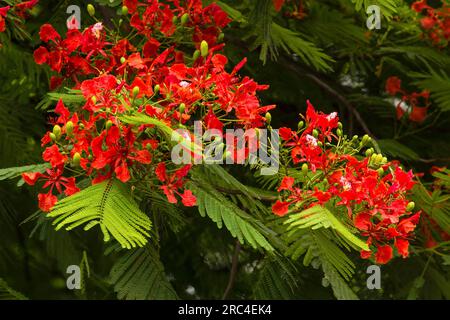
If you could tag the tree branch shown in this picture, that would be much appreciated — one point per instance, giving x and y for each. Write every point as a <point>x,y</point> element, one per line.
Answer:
<point>233,271</point>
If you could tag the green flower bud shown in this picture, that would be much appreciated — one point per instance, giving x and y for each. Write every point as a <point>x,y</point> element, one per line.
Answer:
<point>124,10</point>
<point>339,132</point>
<point>204,48</point>
<point>184,19</point>
<point>380,171</point>
<point>369,152</point>
<point>108,124</point>
<point>315,133</point>
<point>196,54</point>
<point>91,10</point>
<point>182,107</point>
<point>57,131</point>
<point>122,60</point>
<point>76,159</point>
<point>156,89</point>
<point>94,99</point>
<point>69,128</point>
<point>52,136</point>
<point>410,206</point>
<point>135,91</point>
<point>365,139</point>
<point>305,169</point>
<point>320,144</point>
<point>220,37</point>
<point>268,117</point>
<point>355,137</point>
<point>384,160</point>
<point>300,125</point>
<point>340,125</point>
<point>174,19</point>
<point>378,158</point>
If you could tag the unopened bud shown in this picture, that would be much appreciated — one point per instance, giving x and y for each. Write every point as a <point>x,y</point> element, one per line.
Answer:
<point>174,19</point>
<point>204,48</point>
<point>184,19</point>
<point>369,152</point>
<point>300,125</point>
<point>365,139</point>
<point>124,10</point>
<point>339,132</point>
<point>52,136</point>
<point>196,55</point>
<point>57,131</point>
<point>220,37</point>
<point>122,60</point>
<point>69,128</point>
<point>156,89</point>
<point>76,159</point>
<point>380,171</point>
<point>268,117</point>
<point>315,133</point>
<point>182,107</point>
<point>410,206</point>
<point>91,10</point>
<point>108,124</point>
<point>305,169</point>
<point>94,99</point>
<point>135,91</point>
<point>340,125</point>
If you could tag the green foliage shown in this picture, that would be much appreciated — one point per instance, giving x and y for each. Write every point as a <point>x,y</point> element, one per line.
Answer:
<point>109,205</point>
<point>6,293</point>
<point>139,275</point>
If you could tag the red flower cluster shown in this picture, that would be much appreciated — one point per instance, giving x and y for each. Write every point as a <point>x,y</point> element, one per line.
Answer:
<point>436,22</point>
<point>374,200</point>
<point>118,77</point>
<point>19,10</point>
<point>418,101</point>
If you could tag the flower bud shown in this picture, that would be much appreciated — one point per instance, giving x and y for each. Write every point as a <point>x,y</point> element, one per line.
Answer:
<point>196,54</point>
<point>57,131</point>
<point>184,19</point>
<point>91,10</point>
<point>76,159</point>
<point>315,133</point>
<point>340,125</point>
<point>365,139</point>
<point>339,132</point>
<point>378,158</point>
<point>182,107</point>
<point>380,171</point>
<point>300,125</point>
<point>123,60</point>
<point>369,152</point>
<point>108,124</point>
<point>124,10</point>
<point>220,37</point>
<point>319,144</point>
<point>384,160</point>
<point>94,99</point>
<point>156,89</point>
<point>355,137</point>
<point>69,128</point>
<point>410,206</point>
<point>305,169</point>
<point>174,19</point>
<point>268,117</point>
<point>52,136</point>
<point>204,48</point>
<point>135,91</point>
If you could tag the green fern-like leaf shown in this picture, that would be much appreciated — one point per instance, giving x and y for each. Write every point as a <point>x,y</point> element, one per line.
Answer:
<point>224,212</point>
<point>139,275</point>
<point>7,293</point>
<point>319,217</point>
<point>109,205</point>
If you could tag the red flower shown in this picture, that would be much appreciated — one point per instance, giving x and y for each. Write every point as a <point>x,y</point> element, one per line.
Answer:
<point>280,208</point>
<point>286,184</point>
<point>278,4</point>
<point>393,85</point>
<point>52,155</point>
<point>48,33</point>
<point>402,247</point>
<point>384,254</point>
<point>47,201</point>
<point>174,182</point>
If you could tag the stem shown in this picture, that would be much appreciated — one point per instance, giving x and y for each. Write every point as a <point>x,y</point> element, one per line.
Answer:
<point>233,271</point>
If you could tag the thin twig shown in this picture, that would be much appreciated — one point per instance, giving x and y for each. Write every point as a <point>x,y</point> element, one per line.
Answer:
<point>233,271</point>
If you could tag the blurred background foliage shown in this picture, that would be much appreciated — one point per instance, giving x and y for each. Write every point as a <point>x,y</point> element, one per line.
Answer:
<point>311,49</point>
